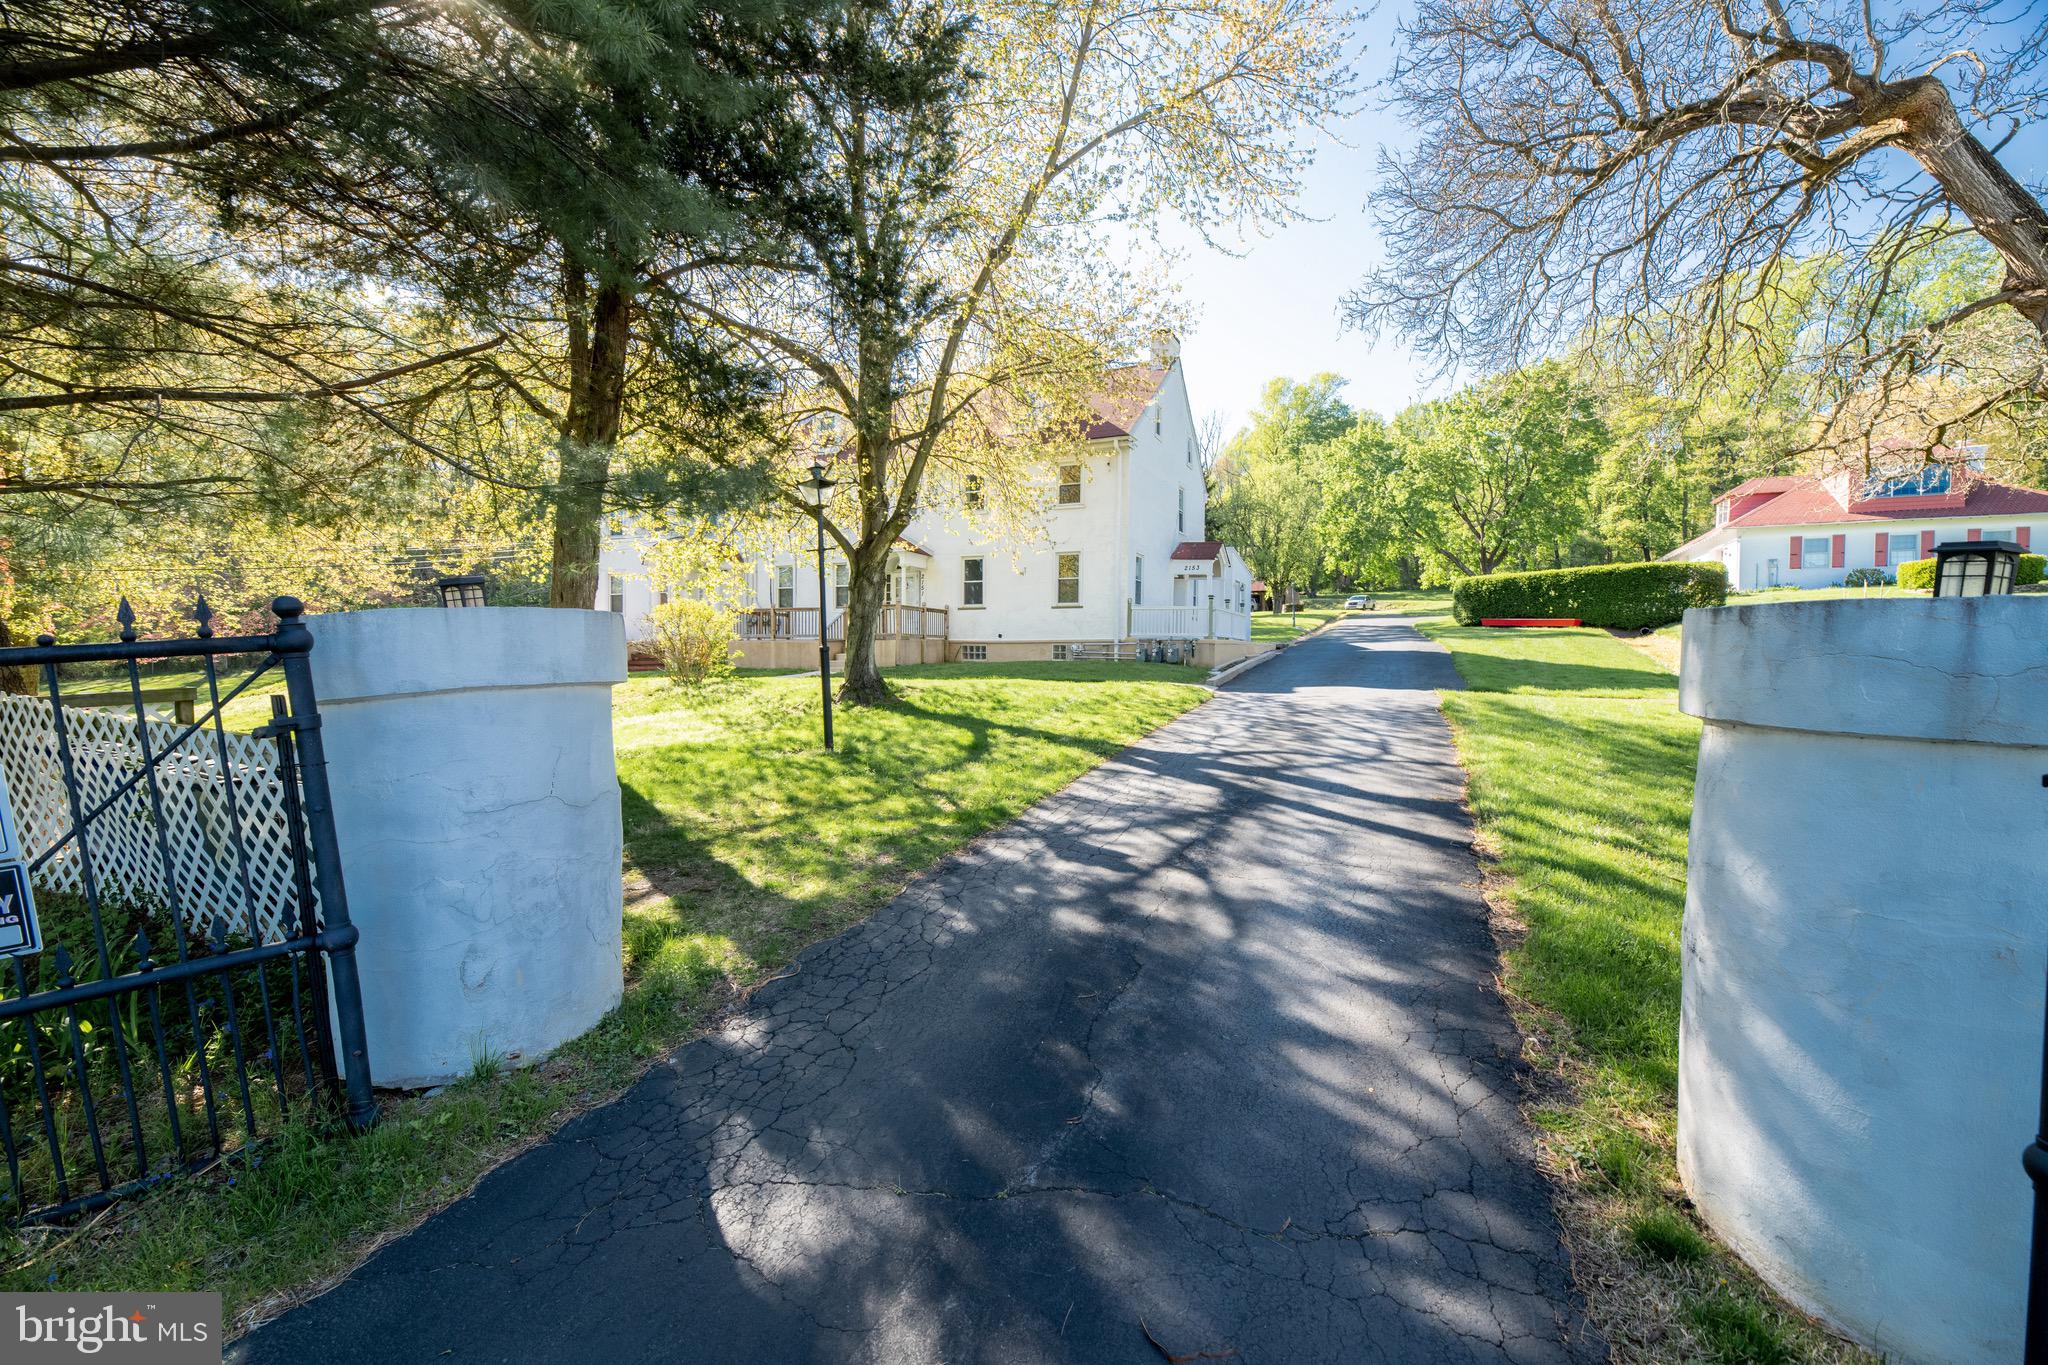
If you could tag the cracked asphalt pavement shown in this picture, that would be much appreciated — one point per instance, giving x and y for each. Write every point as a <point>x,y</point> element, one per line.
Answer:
<point>1200,1054</point>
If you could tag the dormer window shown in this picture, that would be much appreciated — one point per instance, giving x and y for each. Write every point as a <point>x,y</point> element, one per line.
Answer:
<point>1720,514</point>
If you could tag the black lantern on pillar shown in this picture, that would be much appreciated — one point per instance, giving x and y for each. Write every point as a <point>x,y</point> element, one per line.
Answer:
<point>1975,568</point>
<point>461,590</point>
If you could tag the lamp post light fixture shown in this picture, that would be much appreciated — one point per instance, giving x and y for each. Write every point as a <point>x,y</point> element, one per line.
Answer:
<point>461,590</point>
<point>815,490</point>
<point>1975,568</point>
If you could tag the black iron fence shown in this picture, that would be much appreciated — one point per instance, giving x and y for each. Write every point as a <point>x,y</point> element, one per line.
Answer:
<point>190,982</point>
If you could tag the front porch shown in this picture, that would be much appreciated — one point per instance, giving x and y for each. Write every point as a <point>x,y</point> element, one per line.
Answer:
<point>787,637</point>
<point>1210,620</point>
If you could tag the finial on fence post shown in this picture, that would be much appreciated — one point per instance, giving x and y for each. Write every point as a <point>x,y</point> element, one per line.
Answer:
<point>126,616</point>
<point>203,614</point>
<point>291,630</point>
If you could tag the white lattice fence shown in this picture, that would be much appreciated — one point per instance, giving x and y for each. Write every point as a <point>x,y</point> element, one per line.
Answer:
<point>128,856</point>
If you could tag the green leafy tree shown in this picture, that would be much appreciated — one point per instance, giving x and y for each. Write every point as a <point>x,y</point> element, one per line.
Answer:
<point>939,328</point>
<point>1359,525</point>
<point>1496,474</point>
<point>1271,482</point>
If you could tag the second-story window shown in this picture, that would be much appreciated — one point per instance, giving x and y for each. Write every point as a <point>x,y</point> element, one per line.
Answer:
<point>974,490</point>
<point>1070,484</point>
<point>1182,510</point>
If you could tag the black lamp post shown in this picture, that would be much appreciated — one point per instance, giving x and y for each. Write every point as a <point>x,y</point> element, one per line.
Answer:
<point>1975,568</point>
<point>815,488</point>
<point>461,590</point>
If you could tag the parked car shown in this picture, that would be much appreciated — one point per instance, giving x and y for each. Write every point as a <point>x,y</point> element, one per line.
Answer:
<point>1358,602</point>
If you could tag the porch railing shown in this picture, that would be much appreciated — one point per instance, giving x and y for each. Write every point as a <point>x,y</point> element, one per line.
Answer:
<point>779,623</point>
<point>1204,621</point>
<point>801,623</point>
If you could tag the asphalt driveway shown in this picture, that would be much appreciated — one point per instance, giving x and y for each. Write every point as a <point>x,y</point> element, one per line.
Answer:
<point>1199,1055</point>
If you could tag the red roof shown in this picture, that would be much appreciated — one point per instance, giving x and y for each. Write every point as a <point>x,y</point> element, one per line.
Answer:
<point>1808,503</point>
<point>1131,389</point>
<point>1198,549</point>
<point>1767,484</point>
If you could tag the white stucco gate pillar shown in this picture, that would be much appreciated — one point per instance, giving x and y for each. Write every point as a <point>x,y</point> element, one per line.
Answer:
<point>1866,929</point>
<point>477,807</point>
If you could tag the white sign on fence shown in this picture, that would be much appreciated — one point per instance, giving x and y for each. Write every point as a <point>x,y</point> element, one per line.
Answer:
<point>19,934</point>
<point>10,839</point>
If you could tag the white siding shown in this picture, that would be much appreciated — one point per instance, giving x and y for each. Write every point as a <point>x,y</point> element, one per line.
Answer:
<point>1754,548</point>
<point>1133,492</point>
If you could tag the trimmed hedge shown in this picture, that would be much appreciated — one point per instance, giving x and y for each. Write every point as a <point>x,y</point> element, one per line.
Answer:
<point>1623,596</point>
<point>1919,573</point>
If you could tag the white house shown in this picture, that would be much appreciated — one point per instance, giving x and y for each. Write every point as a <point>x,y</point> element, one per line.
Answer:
<point>1805,532</point>
<point>1121,555</point>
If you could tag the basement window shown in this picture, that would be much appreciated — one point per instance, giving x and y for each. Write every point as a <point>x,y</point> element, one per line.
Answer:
<point>974,654</point>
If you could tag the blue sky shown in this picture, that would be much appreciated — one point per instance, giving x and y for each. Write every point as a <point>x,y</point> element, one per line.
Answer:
<point>1270,306</point>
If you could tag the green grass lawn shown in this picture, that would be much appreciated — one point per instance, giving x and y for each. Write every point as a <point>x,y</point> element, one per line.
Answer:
<point>1419,604</point>
<point>249,709</point>
<point>1581,773</point>
<point>744,843</point>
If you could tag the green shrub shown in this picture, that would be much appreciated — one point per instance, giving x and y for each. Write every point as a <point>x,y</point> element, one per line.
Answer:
<point>692,640</point>
<point>1865,578</point>
<point>1919,573</point>
<point>1624,596</point>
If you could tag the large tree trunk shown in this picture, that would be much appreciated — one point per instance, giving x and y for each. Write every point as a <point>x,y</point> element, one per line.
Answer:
<point>597,401</point>
<point>880,524</point>
<point>861,682</point>
<point>19,681</point>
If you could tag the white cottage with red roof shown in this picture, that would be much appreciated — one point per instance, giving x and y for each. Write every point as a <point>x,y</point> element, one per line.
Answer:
<point>1121,554</point>
<point>1806,532</point>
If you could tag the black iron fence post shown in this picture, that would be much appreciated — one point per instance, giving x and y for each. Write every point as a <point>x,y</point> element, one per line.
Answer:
<point>2035,1159</point>
<point>337,937</point>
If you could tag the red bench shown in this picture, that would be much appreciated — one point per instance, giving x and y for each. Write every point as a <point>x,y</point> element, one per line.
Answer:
<point>1528,620</point>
